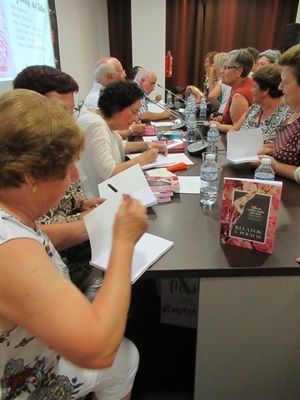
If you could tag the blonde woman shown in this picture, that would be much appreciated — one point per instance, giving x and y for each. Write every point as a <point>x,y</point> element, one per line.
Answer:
<point>220,92</point>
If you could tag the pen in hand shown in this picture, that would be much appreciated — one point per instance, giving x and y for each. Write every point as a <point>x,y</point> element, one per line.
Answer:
<point>161,150</point>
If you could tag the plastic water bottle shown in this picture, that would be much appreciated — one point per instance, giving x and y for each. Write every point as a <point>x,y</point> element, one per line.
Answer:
<point>265,171</point>
<point>169,100</point>
<point>191,128</point>
<point>203,110</point>
<point>209,175</point>
<point>212,140</point>
<point>188,109</point>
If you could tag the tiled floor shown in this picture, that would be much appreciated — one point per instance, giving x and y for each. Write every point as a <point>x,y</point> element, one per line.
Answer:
<point>167,353</point>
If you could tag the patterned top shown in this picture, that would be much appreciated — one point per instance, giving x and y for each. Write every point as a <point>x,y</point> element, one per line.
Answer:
<point>272,125</point>
<point>287,144</point>
<point>68,208</point>
<point>27,365</point>
<point>144,102</point>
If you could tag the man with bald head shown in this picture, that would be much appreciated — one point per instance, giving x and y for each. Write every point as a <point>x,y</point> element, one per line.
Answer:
<point>107,70</point>
<point>146,80</point>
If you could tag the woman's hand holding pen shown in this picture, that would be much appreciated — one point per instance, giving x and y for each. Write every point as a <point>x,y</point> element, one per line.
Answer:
<point>161,147</point>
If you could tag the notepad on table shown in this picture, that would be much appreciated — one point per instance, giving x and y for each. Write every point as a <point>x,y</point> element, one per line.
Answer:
<point>99,224</point>
<point>164,161</point>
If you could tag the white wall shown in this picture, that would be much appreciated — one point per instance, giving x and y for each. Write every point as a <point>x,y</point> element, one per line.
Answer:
<point>148,37</point>
<point>298,14</point>
<point>83,39</point>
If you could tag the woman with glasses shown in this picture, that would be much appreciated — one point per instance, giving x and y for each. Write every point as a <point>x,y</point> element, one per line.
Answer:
<point>268,111</point>
<point>235,73</point>
<point>104,154</point>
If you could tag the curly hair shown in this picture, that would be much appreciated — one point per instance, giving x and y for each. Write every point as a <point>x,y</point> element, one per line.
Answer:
<point>117,96</point>
<point>291,58</point>
<point>37,137</point>
<point>44,79</point>
<point>268,77</point>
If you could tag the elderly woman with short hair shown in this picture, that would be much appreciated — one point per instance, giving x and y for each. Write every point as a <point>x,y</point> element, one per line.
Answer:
<point>268,111</point>
<point>235,73</point>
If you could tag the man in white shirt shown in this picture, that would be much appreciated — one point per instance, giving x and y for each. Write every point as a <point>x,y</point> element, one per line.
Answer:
<point>107,70</point>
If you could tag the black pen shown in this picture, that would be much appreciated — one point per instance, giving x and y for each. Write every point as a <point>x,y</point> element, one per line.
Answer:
<point>112,188</point>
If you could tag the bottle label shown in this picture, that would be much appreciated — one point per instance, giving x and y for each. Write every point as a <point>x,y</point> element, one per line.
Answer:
<point>210,176</point>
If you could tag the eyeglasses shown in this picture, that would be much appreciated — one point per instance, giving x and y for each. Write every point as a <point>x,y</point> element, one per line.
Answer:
<point>122,72</point>
<point>226,68</point>
<point>152,83</point>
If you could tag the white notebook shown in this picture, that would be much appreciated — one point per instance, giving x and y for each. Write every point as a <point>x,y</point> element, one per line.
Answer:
<point>99,224</point>
<point>165,161</point>
<point>132,181</point>
<point>243,146</point>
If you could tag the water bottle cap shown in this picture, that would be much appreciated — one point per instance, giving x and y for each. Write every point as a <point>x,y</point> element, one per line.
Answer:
<point>266,161</point>
<point>210,156</point>
<point>213,125</point>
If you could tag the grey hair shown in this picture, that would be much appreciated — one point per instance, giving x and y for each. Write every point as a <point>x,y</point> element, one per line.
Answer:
<point>241,59</point>
<point>143,74</point>
<point>272,55</point>
<point>103,68</point>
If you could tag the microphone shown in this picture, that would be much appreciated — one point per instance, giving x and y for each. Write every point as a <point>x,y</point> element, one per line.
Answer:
<point>173,94</point>
<point>177,124</point>
<point>193,148</point>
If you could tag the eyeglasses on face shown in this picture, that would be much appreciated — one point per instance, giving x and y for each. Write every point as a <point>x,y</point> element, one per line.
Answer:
<point>152,83</point>
<point>225,68</point>
<point>122,72</point>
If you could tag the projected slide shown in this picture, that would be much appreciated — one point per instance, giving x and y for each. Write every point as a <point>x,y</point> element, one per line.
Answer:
<point>25,36</point>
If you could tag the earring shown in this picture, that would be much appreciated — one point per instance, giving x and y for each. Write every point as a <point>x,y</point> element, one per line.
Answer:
<point>34,188</point>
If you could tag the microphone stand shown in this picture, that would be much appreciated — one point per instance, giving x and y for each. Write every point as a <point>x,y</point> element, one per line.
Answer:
<point>197,146</point>
<point>172,112</point>
<point>173,94</point>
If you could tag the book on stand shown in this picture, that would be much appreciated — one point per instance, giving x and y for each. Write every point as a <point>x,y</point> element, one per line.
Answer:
<point>249,213</point>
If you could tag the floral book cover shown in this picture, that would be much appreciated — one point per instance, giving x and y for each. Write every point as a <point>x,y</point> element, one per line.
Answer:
<point>249,213</point>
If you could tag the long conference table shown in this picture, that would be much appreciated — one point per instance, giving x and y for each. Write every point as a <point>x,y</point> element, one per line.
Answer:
<point>248,329</point>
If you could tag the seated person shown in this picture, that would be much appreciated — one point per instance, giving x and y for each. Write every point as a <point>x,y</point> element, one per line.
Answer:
<point>235,73</point>
<point>108,70</point>
<point>208,62</point>
<point>53,342</point>
<point>254,53</point>
<point>268,111</point>
<point>220,92</point>
<point>285,149</point>
<point>104,154</point>
<point>146,80</point>
<point>56,84</point>
<point>134,71</point>
<point>268,57</point>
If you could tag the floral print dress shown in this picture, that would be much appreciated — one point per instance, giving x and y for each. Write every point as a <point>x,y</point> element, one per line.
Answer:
<point>27,365</point>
